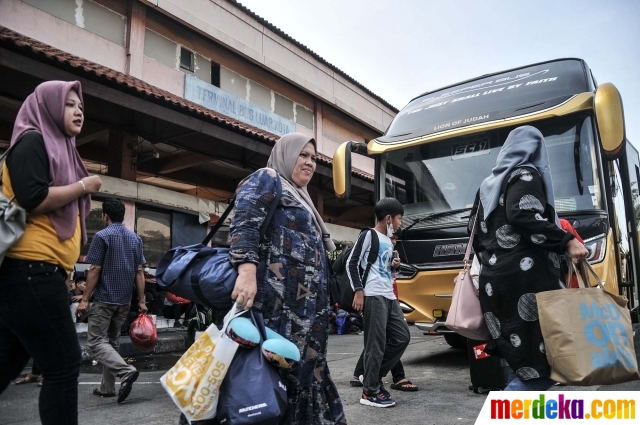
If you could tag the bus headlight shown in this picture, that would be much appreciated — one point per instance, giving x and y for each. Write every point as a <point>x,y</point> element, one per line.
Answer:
<point>597,247</point>
<point>406,272</point>
<point>406,308</point>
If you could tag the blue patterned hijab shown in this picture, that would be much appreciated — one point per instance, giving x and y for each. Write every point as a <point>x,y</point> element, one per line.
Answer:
<point>525,147</point>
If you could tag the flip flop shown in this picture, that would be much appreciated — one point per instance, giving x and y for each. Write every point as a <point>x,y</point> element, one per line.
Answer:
<point>28,379</point>
<point>125,387</point>
<point>404,385</point>
<point>355,382</point>
<point>101,394</point>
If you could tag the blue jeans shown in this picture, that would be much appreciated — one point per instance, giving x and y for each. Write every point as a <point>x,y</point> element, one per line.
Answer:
<point>35,321</point>
<point>537,384</point>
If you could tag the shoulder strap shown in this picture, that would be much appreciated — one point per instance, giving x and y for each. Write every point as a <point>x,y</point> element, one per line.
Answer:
<point>220,222</point>
<point>272,208</point>
<point>265,223</point>
<point>373,254</point>
<point>467,253</point>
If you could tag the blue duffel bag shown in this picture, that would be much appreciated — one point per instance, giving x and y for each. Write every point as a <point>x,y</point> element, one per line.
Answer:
<point>203,274</point>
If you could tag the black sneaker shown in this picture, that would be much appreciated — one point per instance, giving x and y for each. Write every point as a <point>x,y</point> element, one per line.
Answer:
<point>125,386</point>
<point>376,400</point>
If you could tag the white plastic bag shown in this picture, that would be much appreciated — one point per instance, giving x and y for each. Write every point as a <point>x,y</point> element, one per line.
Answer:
<point>194,381</point>
<point>475,272</point>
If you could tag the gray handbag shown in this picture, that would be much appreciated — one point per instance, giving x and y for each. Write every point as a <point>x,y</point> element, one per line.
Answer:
<point>12,217</point>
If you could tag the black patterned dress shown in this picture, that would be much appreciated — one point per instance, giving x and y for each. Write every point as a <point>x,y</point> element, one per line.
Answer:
<point>292,291</point>
<point>519,247</point>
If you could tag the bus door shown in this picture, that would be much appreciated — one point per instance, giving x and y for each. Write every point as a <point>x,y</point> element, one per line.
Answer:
<point>630,179</point>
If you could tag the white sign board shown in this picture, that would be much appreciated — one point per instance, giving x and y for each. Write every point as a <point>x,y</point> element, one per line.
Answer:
<point>216,99</point>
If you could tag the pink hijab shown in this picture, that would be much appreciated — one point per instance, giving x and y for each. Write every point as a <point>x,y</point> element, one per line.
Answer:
<point>43,111</point>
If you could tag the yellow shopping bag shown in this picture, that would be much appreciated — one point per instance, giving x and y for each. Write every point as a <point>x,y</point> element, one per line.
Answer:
<point>193,383</point>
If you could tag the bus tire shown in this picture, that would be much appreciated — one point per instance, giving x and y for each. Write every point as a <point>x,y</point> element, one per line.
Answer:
<point>455,340</point>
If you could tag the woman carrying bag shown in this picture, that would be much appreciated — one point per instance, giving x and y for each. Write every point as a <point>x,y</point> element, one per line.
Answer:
<point>46,174</point>
<point>285,279</point>
<point>518,241</point>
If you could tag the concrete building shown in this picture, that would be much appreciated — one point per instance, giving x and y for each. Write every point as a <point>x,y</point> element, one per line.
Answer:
<point>183,99</point>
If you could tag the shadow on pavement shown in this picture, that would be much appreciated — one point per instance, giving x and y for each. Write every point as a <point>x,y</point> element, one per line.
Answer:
<point>449,358</point>
<point>148,363</point>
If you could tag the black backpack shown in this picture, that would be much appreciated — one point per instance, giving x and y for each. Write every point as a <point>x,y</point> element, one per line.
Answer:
<point>340,269</point>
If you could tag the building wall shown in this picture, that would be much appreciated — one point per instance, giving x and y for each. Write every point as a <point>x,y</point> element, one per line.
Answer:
<point>97,31</point>
<point>234,29</point>
<point>64,33</point>
<point>333,134</point>
<point>164,41</point>
<point>98,18</point>
<point>133,194</point>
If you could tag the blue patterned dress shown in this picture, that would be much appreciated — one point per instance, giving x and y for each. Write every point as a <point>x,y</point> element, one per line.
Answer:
<point>292,291</point>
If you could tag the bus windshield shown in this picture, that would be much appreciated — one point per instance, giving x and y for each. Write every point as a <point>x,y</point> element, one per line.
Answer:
<point>443,176</point>
<point>490,98</point>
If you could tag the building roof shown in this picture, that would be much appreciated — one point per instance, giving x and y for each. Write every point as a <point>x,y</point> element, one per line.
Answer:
<point>304,48</point>
<point>14,41</point>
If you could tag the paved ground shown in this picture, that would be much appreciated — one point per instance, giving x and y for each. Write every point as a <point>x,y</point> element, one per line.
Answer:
<point>441,373</point>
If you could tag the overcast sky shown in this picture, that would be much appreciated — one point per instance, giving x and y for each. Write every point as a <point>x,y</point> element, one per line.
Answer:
<point>399,49</point>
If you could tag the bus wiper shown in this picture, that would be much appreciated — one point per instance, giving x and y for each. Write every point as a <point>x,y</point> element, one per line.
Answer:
<point>577,162</point>
<point>435,215</point>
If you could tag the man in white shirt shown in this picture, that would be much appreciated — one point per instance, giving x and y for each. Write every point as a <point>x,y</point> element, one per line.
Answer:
<point>386,334</point>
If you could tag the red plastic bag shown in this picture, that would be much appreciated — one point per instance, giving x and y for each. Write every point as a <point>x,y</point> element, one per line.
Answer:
<point>143,333</point>
<point>176,299</point>
<point>566,226</point>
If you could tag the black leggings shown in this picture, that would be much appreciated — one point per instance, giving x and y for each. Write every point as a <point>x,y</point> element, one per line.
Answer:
<point>35,321</point>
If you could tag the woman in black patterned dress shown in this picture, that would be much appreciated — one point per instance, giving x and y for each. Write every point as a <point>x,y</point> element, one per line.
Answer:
<point>519,243</point>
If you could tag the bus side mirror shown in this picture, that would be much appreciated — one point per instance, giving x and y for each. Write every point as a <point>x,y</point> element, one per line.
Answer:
<point>342,171</point>
<point>610,120</point>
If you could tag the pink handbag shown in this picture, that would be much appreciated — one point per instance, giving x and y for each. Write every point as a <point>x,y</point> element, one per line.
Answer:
<point>465,315</point>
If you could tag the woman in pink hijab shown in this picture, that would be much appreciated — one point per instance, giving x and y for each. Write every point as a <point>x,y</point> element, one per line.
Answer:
<point>45,174</point>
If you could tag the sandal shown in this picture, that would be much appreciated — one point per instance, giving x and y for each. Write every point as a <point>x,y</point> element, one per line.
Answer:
<point>28,379</point>
<point>125,386</point>
<point>404,385</point>
<point>101,394</point>
<point>355,382</point>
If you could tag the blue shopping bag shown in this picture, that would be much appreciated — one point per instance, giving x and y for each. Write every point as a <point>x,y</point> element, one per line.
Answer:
<point>342,325</point>
<point>253,391</point>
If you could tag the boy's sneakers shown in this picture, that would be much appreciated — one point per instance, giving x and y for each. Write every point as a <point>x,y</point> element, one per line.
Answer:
<point>384,391</point>
<point>377,400</point>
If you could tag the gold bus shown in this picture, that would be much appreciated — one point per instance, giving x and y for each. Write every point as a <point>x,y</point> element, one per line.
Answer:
<point>440,147</point>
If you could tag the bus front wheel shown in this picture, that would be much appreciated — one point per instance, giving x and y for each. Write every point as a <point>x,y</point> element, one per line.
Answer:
<point>455,340</point>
